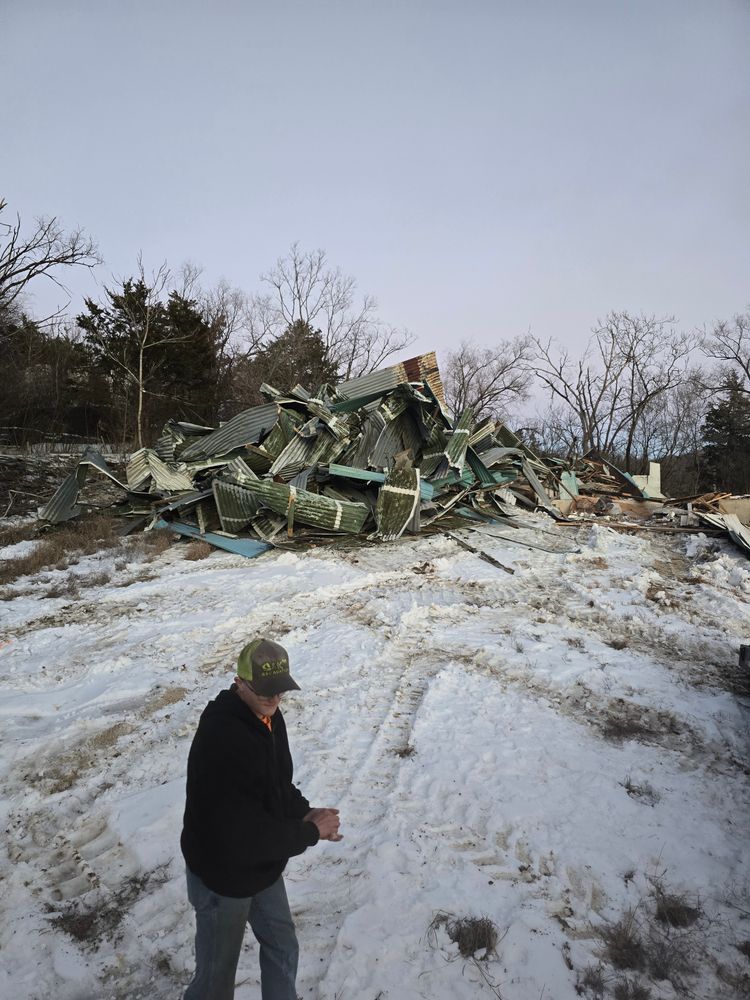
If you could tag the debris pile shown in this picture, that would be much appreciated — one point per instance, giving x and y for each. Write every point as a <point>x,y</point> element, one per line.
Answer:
<point>375,456</point>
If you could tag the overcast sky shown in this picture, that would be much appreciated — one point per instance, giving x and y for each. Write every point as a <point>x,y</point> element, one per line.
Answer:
<point>482,168</point>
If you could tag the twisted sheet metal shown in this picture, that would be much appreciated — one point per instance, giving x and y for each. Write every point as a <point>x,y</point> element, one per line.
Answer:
<point>397,500</point>
<point>145,464</point>
<point>423,368</point>
<point>309,508</point>
<point>301,453</point>
<point>246,428</point>
<point>62,505</point>
<point>235,505</point>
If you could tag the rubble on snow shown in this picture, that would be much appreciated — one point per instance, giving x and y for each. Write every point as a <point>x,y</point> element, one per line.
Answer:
<point>375,456</point>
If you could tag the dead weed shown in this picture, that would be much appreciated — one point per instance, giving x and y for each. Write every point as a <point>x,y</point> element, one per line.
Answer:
<point>56,546</point>
<point>675,910</point>
<point>471,934</point>
<point>643,791</point>
<point>623,944</point>
<point>197,549</point>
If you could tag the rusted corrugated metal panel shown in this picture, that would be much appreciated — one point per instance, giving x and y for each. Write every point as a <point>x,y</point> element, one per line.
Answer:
<point>246,428</point>
<point>423,368</point>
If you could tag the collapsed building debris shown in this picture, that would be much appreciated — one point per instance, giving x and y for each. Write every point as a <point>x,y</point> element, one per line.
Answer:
<point>375,456</point>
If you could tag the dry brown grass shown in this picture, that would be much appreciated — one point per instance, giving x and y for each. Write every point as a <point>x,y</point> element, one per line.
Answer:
<point>631,989</point>
<point>652,939</point>
<point>471,934</point>
<point>591,982</point>
<point>151,544</point>
<point>675,910</point>
<point>14,533</point>
<point>643,791</point>
<point>197,549</point>
<point>58,547</point>
<point>67,587</point>
<point>623,944</point>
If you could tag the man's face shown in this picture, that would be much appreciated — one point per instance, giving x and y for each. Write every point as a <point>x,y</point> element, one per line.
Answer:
<point>256,703</point>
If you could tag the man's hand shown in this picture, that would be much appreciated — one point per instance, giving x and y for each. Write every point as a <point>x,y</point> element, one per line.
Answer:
<point>327,822</point>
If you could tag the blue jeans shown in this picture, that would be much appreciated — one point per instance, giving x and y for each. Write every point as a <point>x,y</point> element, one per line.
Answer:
<point>219,930</point>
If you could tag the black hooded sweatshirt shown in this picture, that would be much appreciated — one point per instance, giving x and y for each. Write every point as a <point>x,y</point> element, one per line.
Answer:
<point>243,816</point>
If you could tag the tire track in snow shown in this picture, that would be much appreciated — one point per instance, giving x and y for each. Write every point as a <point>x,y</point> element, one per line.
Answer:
<point>338,882</point>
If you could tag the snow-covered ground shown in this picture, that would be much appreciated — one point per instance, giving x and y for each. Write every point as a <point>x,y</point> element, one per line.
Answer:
<point>559,750</point>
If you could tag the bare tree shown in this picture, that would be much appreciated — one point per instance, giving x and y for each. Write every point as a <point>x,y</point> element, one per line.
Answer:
<point>303,288</point>
<point>628,364</point>
<point>670,432</point>
<point>490,380</point>
<point>129,341</point>
<point>730,342</point>
<point>554,432</point>
<point>40,253</point>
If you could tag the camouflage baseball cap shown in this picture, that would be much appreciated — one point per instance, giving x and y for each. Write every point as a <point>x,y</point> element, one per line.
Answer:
<point>265,664</point>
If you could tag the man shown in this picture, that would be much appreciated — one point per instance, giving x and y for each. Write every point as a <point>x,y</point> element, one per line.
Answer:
<point>243,820</point>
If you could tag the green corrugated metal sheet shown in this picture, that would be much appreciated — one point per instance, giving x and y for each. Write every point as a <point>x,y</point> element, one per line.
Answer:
<point>309,508</point>
<point>397,500</point>
<point>426,489</point>
<point>235,505</point>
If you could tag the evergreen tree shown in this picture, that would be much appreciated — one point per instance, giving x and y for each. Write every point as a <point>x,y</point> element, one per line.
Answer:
<point>157,357</point>
<point>297,356</point>
<point>726,440</point>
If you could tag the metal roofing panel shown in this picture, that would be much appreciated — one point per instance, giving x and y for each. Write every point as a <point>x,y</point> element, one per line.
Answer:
<point>246,428</point>
<point>309,508</point>
<point>62,506</point>
<point>423,368</point>
<point>397,501</point>
<point>248,547</point>
<point>301,453</point>
<point>137,470</point>
<point>458,441</point>
<point>370,475</point>
<point>396,436</point>
<point>236,505</point>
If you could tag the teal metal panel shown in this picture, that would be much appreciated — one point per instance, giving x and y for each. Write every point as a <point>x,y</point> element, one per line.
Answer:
<point>248,547</point>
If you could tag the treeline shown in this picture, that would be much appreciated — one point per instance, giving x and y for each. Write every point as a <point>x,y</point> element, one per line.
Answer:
<point>641,390</point>
<point>161,344</point>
